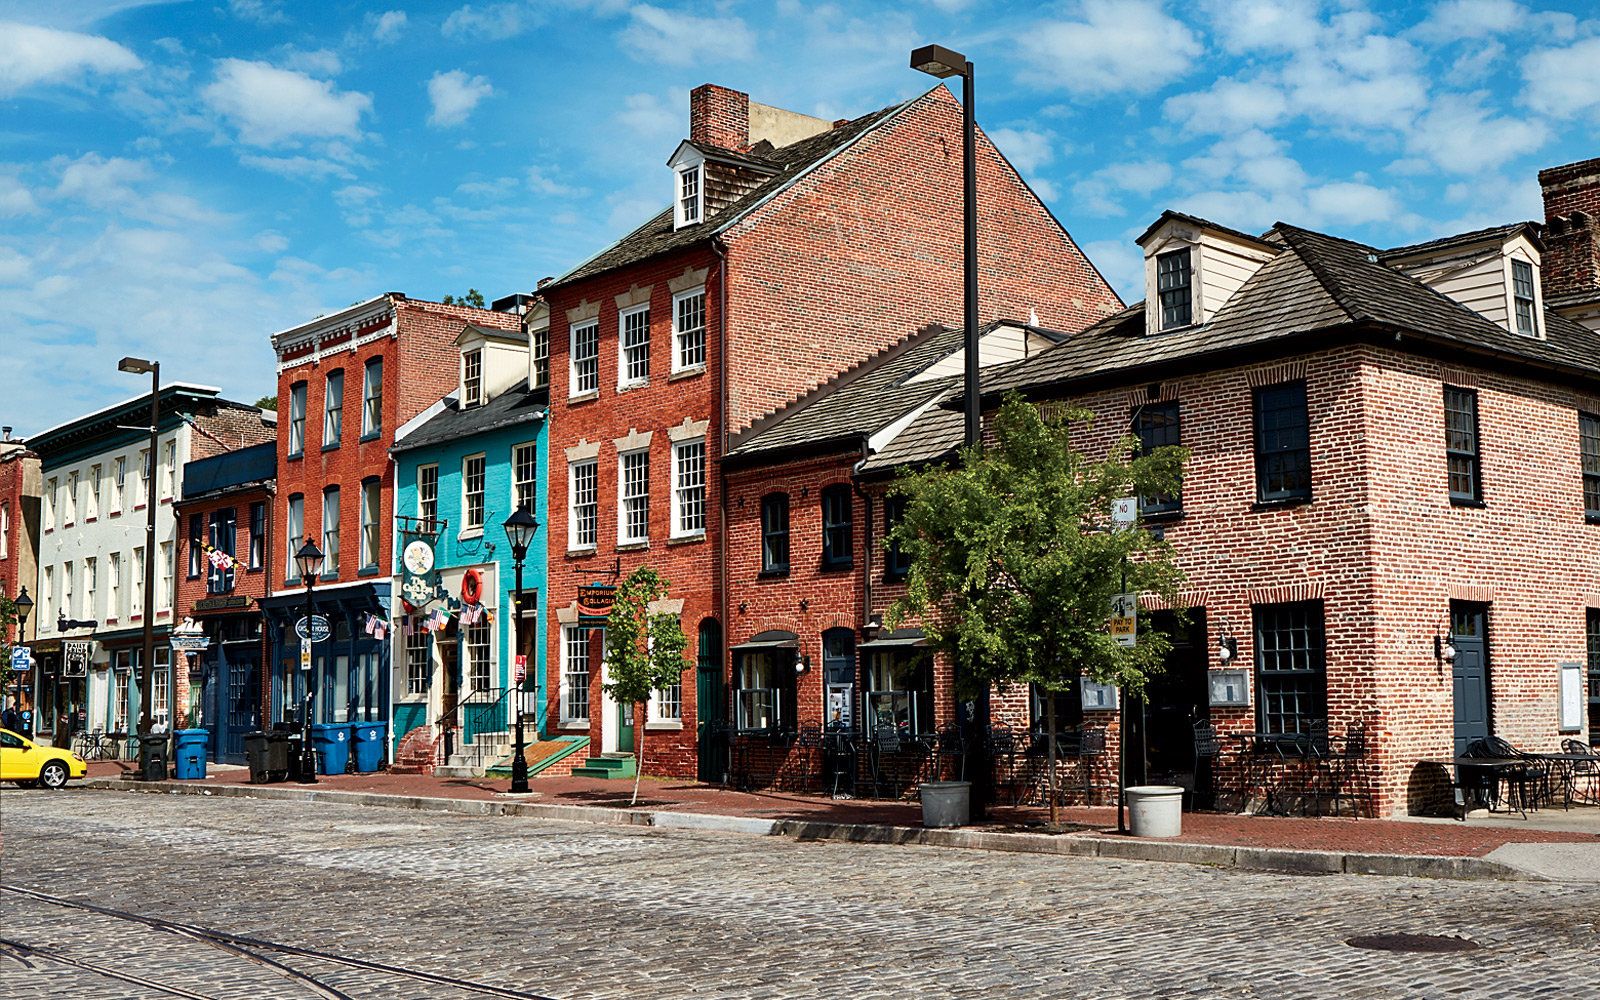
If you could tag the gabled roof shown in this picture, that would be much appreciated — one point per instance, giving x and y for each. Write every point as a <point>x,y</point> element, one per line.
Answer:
<point>470,330</point>
<point>517,405</point>
<point>1195,220</point>
<point>790,162</point>
<point>1496,234</point>
<point>1316,285</point>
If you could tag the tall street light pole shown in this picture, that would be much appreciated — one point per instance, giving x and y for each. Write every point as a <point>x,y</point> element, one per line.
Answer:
<point>938,61</point>
<point>309,561</point>
<point>139,366</point>
<point>24,606</point>
<point>520,527</point>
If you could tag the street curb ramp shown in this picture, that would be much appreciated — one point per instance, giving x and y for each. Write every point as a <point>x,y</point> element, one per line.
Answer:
<point>1255,859</point>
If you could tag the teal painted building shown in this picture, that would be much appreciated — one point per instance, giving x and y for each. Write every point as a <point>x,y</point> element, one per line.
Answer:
<point>461,468</point>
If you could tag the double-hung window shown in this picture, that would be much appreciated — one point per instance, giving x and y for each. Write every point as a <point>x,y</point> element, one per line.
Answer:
<point>1173,286</point>
<point>164,596</point>
<point>838,528</point>
<point>146,482</point>
<point>1589,452</point>
<point>293,535</point>
<point>524,472</point>
<point>472,379</point>
<point>688,488</point>
<point>330,531</point>
<point>633,367</point>
<point>114,586</point>
<point>1283,443</point>
<point>1592,628</point>
<point>297,419</point>
<point>371,499</point>
<point>689,195</point>
<point>90,583</point>
<point>1522,297</point>
<point>72,498</point>
<point>169,471</point>
<point>197,553</point>
<point>333,410</point>
<point>540,349</point>
<point>1461,445</point>
<point>479,668</point>
<point>221,531</point>
<point>896,564</point>
<point>372,399</point>
<point>428,492</point>
<point>419,667</point>
<point>67,575</point>
<point>91,508</point>
<point>137,609</point>
<point>575,672</point>
<point>633,482</point>
<point>1156,425</point>
<point>775,533</point>
<point>689,330</point>
<point>119,484</point>
<point>258,535</point>
<point>1291,669</point>
<point>472,509</point>
<point>50,504</point>
<point>583,504</point>
<point>585,358</point>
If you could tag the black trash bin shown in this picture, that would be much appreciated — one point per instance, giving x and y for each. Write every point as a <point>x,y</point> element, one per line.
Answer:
<point>281,745</point>
<point>153,757</point>
<point>255,755</point>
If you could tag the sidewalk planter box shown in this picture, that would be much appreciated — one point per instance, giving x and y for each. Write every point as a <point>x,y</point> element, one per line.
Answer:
<point>369,742</point>
<point>189,754</point>
<point>945,803</point>
<point>331,740</point>
<point>1155,810</point>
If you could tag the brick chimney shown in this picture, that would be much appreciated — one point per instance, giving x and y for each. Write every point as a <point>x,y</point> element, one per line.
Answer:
<point>719,117</point>
<point>1571,261</point>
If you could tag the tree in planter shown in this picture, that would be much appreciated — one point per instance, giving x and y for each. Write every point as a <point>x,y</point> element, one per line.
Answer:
<point>644,651</point>
<point>1014,561</point>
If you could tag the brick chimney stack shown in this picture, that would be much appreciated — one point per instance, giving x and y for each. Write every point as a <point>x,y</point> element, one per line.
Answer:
<point>1572,227</point>
<point>719,117</point>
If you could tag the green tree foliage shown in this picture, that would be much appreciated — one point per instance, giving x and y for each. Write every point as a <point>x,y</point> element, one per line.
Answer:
<point>1014,562</point>
<point>644,651</point>
<point>268,402</point>
<point>473,298</point>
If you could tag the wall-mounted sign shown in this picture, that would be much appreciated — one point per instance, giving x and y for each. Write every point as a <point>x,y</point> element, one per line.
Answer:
<point>1572,698</point>
<point>1228,688</point>
<point>320,629</point>
<point>76,661</point>
<point>521,672</point>
<point>1125,619</point>
<point>1124,512</point>
<point>190,643</point>
<point>221,603</point>
<point>595,601</point>
<point>1098,697</point>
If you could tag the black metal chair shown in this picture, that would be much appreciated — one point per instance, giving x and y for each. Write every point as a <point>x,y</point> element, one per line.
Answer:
<point>1001,744</point>
<point>1349,770</point>
<point>1207,750</point>
<point>952,746</point>
<point>1583,776</point>
<point>799,767</point>
<point>885,741</point>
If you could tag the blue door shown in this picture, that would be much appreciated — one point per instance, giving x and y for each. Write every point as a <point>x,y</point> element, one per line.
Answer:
<point>1470,673</point>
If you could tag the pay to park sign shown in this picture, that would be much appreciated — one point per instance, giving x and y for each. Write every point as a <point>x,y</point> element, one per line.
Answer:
<point>1125,619</point>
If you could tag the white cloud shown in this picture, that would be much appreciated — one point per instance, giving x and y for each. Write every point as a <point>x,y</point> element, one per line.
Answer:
<point>647,116</point>
<point>130,189</point>
<point>319,62</point>
<point>1355,79</point>
<point>1563,82</point>
<point>270,106</point>
<point>1095,194</point>
<point>1263,25</point>
<point>1461,135</point>
<point>15,198</point>
<point>541,183</point>
<point>493,22</point>
<point>1120,46</point>
<point>298,168</point>
<point>1453,20</point>
<point>260,11</point>
<point>1027,149</point>
<point>1229,106</point>
<point>386,27</point>
<point>1122,263</point>
<point>32,55</point>
<point>14,267</point>
<point>454,95</point>
<point>677,39</point>
<point>1351,203</point>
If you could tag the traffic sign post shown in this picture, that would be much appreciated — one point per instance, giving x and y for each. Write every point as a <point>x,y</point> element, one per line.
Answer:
<point>1125,619</point>
<point>1124,513</point>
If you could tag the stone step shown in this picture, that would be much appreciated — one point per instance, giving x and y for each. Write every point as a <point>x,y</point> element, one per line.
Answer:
<point>455,771</point>
<point>617,765</point>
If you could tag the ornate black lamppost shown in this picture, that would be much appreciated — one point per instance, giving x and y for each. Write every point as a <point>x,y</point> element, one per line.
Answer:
<point>520,527</point>
<point>309,561</point>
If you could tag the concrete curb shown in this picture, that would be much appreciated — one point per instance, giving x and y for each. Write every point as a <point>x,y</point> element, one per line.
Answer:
<point>1261,859</point>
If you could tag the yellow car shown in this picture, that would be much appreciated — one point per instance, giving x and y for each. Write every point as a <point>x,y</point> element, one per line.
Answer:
<point>29,764</point>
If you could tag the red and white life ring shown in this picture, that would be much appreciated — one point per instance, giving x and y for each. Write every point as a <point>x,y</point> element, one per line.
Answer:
<point>471,586</point>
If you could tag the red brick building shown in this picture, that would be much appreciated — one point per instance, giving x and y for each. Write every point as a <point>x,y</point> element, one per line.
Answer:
<point>21,485</point>
<point>346,382</point>
<point>794,248</point>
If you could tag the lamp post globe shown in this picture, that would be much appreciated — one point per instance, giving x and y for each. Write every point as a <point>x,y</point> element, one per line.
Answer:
<point>24,606</point>
<point>520,528</point>
<point>309,561</point>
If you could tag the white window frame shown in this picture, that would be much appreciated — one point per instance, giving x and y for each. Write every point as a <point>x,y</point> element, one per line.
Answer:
<point>472,381</point>
<point>678,331</point>
<point>665,708</point>
<point>169,472</point>
<point>71,515</point>
<point>477,647</point>
<point>294,535</point>
<point>333,410</point>
<point>330,539</point>
<point>91,583</point>
<point>159,692</point>
<point>428,492</point>
<point>584,381</point>
<point>683,490</point>
<point>297,419</point>
<point>371,397</point>
<point>589,510</point>
<point>539,356</point>
<point>50,491</point>
<point>626,380</point>
<point>66,590</point>
<point>574,638</point>
<point>468,528</point>
<point>146,481</point>
<point>119,484</point>
<point>689,206</point>
<point>114,585</point>
<point>525,458</point>
<point>371,537</point>
<point>5,531</point>
<point>91,508</point>
<point>165,593</point>
<point>419,664</point>
<point>624,535</point>
<point>136,609</point>
<point>47,600</point>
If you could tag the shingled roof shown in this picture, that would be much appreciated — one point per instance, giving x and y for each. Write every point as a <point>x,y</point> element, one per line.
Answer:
<point>517,405</point>
<point>1317,285</point>
<point>790,162</point>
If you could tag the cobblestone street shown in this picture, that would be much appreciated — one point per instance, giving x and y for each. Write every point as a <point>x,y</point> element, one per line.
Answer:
<point>619,912</point>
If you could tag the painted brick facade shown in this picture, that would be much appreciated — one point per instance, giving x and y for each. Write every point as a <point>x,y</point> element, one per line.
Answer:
<point>20,487</point>
<point>861,250</point>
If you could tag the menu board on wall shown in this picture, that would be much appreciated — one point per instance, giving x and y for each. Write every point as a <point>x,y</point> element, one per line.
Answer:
<point>1572,698</point>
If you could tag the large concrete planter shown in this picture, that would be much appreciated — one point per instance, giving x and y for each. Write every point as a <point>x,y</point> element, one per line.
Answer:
<point>946,803</point>
<point>1155,810</point>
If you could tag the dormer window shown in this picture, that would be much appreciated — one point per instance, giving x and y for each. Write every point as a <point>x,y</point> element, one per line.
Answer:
<point>472,379</point>
<point>689,182</point>
<point>1173,286</point>
<point>1522,297</point>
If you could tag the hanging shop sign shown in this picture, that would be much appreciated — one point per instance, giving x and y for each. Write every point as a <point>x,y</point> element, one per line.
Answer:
<point>1125,619</point>
<point>76,657</point>
<point>595,601</point>
<point>419,578</point>
<point>190,643</point>
<point>221,603</point>
<point>318,631</point>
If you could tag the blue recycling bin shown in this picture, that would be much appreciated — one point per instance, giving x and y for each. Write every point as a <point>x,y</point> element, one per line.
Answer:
<point>331,740</point>
<point>189,754</point>
<point>369,741</point>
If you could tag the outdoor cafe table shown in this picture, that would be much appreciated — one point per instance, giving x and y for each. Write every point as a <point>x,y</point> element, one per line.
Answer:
<point>1259,753</point>
<point>1486,769</point>
<point>1565,767</point>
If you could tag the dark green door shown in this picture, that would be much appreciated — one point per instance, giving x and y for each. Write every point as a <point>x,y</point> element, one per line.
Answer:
<point>625,729</point>
<point>711,705</point>
<point>1469,673</point>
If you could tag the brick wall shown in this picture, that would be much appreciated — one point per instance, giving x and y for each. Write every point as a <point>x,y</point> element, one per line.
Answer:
<point>227,428</point>
<point>1571,261</point>
<point>20,487</point>
<point>719,116</point>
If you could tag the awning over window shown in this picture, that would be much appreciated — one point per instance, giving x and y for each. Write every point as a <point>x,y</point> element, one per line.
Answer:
<point>900,638</point>
<point>770,639</point>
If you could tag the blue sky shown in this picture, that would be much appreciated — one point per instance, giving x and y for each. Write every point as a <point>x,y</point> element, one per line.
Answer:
<point>181,179</point>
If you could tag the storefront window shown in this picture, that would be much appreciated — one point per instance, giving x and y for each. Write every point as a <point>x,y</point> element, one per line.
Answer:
<point>764,699</point>
<point>900,691</point>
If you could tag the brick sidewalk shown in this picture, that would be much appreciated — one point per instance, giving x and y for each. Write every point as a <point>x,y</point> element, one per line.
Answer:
<point>1401,837</point>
